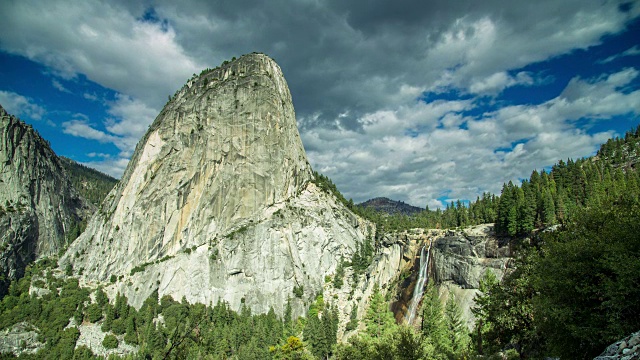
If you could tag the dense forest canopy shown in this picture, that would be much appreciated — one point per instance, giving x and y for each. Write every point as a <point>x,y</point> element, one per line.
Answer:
<point>91,183</point>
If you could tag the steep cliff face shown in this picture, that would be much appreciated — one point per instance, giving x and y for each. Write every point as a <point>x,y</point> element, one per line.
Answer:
<point>460,259</point>
<point>217,202</point>
<point>38,206</point>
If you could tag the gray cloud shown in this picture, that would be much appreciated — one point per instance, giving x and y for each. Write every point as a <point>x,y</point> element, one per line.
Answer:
<point>355,70</point>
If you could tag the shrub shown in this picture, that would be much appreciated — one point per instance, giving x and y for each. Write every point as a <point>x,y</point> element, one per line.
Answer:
<point>110,342</point>
<point>298,291</point>
<point>93,313</point>
<point>118,326</point>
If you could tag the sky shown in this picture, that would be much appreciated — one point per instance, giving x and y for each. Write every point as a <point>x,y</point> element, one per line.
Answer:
<point>421,101</point>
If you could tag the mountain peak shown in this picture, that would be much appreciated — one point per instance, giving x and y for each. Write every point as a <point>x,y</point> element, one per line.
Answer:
<point>391,207</point>
<point>217,201</point>
<point>40,211</point>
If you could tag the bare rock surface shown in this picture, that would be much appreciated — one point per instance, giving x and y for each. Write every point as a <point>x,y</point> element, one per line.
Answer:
<point>20,338</point>
<point>625,349</point>
<point>462,257</point>
<point>218,202</point>
<point>38,205</point>
<point>91,336</point>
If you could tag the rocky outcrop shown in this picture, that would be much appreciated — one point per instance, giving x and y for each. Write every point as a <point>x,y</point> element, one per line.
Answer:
<point>39,209</point>
<point>392,260</point>
<point>460,259</point>
<point>20,338</point>
<point>625,349</point>
<point>218,202</point>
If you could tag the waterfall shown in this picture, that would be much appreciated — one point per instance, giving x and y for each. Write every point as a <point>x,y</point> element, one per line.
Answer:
<point>423,276</point>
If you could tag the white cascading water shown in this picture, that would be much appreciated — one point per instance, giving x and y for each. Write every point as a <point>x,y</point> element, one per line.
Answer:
<point>423,275</point>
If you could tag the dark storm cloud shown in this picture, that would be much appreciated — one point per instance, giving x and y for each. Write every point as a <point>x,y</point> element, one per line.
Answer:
<point>356,70</point>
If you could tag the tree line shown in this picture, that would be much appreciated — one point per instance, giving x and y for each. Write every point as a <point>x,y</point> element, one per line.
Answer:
<point>90,183</point>
<point>162,328</point>
<point>574,289</point>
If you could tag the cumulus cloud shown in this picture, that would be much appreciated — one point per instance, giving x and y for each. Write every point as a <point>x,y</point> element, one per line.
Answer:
<point>495,83</point>
<point>21,106</point>
<point>131,117</point>
<point>81,128</point>
<point>129,122</point>
<point>460,162</point>
<point>102,40</point>
<point>357,71</point>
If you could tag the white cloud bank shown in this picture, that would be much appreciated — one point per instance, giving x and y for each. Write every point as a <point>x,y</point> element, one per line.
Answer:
<point>355,70</point>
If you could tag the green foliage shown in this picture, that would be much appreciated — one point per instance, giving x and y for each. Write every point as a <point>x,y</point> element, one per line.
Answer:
<point>456,328</point>
<point>237,232</point>
<point>93,313</point>
<point>483,210</point>
<point>83,353</point>
<point>50,313</point>
<point>298,291</point>
<point>379,319</point>
<point>321,328</point>
<point>143,266</point>
<point>353,319</point>
<point>587,279</point>
<point>434,326</point>
<point>110,342</point>
<point>484,301</point>
<point>101,297</point>
<point>92,184</point>
<point>574,294</point>
<point>506,312</point>
<point>362,257</point>
<point>108,317</point>
<point>555,197</point>
<point>293,349</point>
<point>400,343</point>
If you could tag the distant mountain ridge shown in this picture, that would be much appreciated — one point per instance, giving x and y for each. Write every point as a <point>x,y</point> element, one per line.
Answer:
<point>391,207</point>
<point>90,183</point>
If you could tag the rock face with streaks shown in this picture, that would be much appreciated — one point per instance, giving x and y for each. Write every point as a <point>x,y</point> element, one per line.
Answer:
<point>460,259</point>
<point>218,202</point>
<point>39,209</point>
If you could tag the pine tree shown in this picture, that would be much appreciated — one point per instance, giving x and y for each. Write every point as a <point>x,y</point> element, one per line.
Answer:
<point>108,318</point>
<point>101,298</point>
<point>315,336</point>
<point>483,302</point>
<point>288,322</point>
<point>433,322</point>
<point>527,209</point>
<point>548,209</point>
<point>131,336</point>
<point>330,328</point>
<point>456,329</point>
<point>378,319</point>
